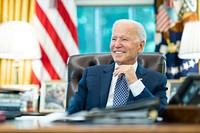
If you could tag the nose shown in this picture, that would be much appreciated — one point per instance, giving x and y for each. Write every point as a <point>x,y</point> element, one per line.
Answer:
<point>118,43</point>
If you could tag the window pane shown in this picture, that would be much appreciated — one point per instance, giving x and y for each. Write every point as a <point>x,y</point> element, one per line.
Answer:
<point>108,16</point>
<point>95,25</point>
<point>86,25</point>
<point>145,15</point>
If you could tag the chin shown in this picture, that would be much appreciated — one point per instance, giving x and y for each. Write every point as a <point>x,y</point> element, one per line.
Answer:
<point>118,62</point>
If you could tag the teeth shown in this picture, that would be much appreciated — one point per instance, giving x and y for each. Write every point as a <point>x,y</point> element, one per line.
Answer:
<point>118,52</point>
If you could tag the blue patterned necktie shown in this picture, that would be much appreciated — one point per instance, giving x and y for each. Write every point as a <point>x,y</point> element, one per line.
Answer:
<point>120,92</point>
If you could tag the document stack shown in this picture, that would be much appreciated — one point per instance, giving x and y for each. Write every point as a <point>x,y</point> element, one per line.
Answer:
<point>142,112</point>
<point>10,102</point>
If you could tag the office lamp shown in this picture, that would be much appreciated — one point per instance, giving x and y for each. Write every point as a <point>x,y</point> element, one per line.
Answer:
<point>190,41</point>
<point>18,41</point>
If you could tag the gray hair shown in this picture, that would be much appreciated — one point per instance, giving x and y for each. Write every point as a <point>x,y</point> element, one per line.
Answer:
<point>141,33</point>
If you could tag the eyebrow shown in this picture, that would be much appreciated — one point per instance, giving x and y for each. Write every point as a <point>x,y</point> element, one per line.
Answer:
<point>122,36</point>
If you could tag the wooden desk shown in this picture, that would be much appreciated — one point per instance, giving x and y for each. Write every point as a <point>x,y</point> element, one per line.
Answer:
<point>32,125</point>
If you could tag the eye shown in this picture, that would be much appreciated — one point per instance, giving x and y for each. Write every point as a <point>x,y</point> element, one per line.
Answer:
<point>124,39</point>
<point>114,39</point>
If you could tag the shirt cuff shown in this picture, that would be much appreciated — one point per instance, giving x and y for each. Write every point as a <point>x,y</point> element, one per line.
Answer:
<point>136,88</point>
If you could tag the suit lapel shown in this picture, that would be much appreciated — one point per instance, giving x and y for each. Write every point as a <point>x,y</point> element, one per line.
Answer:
<point>140,72</point>
<point>106,78</point>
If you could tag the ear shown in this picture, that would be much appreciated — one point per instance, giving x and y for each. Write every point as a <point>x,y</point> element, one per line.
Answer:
<point>141,47</point>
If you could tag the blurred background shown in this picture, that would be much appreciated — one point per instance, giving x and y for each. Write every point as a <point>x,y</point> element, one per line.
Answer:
<point>68,27</point>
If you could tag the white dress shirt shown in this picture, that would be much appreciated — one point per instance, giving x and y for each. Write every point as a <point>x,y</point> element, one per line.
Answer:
<point>136,88</point>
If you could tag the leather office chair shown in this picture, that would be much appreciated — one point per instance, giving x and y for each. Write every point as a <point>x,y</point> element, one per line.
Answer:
<point>77,63</point>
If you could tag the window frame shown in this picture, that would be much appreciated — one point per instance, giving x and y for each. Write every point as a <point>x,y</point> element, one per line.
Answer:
<point>113,2</point>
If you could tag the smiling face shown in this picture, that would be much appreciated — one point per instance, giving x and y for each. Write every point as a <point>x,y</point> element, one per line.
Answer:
<point>126,43</point>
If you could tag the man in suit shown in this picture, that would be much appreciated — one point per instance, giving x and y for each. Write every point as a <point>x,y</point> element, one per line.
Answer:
<point>97,85</point>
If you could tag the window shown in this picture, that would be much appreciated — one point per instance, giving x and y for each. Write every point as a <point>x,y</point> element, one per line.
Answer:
<point>95,24</point>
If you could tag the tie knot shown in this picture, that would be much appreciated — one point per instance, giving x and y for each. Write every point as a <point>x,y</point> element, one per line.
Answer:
<point>122,77</point>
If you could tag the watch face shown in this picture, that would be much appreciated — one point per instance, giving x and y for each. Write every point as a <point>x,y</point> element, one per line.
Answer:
<point>192,4</point>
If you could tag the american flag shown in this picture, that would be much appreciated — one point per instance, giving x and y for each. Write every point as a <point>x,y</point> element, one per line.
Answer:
<point>56,23</point>
<point>166,17</point>
<point>169,42</point>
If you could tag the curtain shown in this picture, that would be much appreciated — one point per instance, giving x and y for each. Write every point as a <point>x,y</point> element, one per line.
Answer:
<point>19,10</point>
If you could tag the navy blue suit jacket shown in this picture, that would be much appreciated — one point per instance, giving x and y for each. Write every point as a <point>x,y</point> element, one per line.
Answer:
<point>94,86</point>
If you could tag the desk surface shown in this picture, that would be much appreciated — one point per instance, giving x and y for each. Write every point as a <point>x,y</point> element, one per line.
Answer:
<point>32,125</point>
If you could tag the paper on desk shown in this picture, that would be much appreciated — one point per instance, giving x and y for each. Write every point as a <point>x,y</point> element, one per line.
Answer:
<point>62,116</point>
<point>44,120</point>
<point>138,112</point>
<point>134,117</point>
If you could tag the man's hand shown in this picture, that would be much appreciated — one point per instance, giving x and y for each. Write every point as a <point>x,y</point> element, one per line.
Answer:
<point>128,71</point>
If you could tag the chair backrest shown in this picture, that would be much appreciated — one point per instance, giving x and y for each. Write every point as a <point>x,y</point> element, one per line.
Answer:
<point>77,63</point>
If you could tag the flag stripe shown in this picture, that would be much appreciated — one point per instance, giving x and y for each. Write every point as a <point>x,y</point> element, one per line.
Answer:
<point>35,79</point>
<point>50,50</point>
<point>57,35</point>
<point>40,71</point>
<point>63,32</point>
<point>165,18</point>
<point>67,20</point>
<point>52,33</point>
<point>45,59</point>
<point>48,65</point>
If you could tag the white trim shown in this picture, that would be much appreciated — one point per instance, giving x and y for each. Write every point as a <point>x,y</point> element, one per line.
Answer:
<point>113,2</point>
<point>98,30</point>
